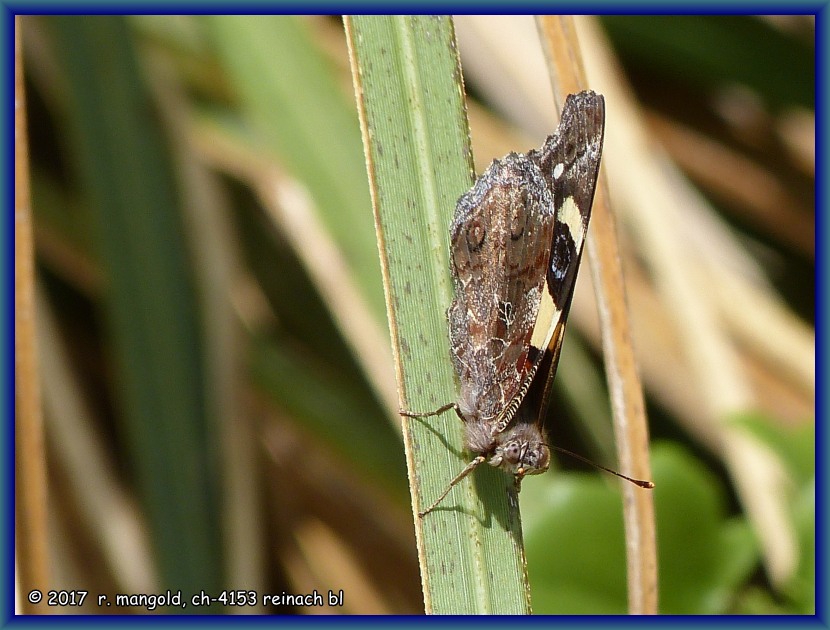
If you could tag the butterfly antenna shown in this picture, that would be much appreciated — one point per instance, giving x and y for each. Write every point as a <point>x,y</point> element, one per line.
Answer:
<point>636,482</point>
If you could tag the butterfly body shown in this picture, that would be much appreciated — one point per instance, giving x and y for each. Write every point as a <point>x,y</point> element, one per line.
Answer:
<point>516,240</point>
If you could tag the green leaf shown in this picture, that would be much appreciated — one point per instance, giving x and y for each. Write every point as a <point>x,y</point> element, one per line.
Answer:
<point>705,556</point>
<point>575,545</point>
<point>801,589</point>
<point>576,548</point>
<point>796,448</point>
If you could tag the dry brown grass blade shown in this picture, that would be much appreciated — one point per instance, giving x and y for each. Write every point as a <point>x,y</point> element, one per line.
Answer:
<point>756,192</point>
<point>326,493</point>
<point>627,402</point>
<point>87,477</point>
<point>30,478</point>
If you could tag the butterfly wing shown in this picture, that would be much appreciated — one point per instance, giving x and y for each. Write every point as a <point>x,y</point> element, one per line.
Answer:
<point>501,238</point>
<point>517,239</point>
<point>569,161</point>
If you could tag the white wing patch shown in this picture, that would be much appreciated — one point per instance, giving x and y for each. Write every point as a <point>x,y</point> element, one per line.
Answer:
<point>572,217</point>
<point>545,322</point>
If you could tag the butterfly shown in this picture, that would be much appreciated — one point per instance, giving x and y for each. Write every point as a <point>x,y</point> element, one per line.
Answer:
<point>516,241</point>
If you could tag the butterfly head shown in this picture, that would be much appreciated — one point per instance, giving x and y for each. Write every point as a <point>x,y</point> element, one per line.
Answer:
<point>522,452</point>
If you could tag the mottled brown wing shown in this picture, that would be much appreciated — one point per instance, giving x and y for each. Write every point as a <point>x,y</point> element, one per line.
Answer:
<point>501,237</point>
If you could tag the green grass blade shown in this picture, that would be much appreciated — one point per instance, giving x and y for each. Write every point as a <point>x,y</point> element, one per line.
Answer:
<point>289,97</point>
<point>151,305</point>
<point>329,406</point>
<point>411,98</point>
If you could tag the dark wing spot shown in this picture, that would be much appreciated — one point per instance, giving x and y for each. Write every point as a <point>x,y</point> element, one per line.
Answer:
<point>532,353</point>
<point>475,235</point>
<point>561,271</point>
<point>519,215</point>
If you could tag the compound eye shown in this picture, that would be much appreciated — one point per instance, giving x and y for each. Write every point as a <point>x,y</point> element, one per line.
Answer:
<point>512,452</point>
<point>537,459</point>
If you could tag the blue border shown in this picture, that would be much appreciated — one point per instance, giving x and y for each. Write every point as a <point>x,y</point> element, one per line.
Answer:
<point>9,10</point>
<point>822,20</point>
<point>159,7</point>
<point>7,440</point>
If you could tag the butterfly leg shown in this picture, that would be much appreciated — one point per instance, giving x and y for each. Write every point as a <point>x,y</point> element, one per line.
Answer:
<point>467,470</point>
<point>437,412</point>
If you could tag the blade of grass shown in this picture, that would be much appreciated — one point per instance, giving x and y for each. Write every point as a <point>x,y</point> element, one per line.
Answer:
<point>328,405</point>
<point>355,427</point>
<point>411,100</point>
<point>30,458</point>
<point>84,463</point>
<point>659,201</point>
<point>290,98</point>
<point>293,107</point>
<point>150,302</point>
<point>628,406</point>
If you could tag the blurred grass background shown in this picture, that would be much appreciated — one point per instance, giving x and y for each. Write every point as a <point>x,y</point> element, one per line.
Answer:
<point>219,398</point>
